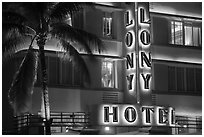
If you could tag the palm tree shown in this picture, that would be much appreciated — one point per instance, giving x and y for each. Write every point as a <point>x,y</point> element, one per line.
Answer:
<point>37,23</point>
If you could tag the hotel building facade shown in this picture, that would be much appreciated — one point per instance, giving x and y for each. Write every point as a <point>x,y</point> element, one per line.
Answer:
<point>148,78</point>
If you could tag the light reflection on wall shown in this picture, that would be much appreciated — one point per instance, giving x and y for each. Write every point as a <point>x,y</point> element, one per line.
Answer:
<point>106,3</point>
<point>111,48</point>
<point>177,8</point>
<point>178,59</point>
<point>179,54</point>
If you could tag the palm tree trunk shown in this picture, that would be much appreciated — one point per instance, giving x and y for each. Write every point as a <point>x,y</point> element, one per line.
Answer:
<point>45,99</point>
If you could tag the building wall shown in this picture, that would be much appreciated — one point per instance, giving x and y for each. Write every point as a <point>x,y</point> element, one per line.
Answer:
<point>177,53</point>
<point>164,54</point>
<point>184,105</point>
<point>74,100</point>
<point>94,26</point>
<point>61,100</point>
<point>70,98</point>
<point>93,21</point>
<point>160,31</point>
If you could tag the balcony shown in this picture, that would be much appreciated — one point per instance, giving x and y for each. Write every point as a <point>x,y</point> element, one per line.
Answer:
<point>62,123</point>
<point>111,48</point>
<point>176,53</point>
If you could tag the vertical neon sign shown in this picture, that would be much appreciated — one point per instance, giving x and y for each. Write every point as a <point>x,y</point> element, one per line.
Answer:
<point>144,54</point>
<point>129,42</point>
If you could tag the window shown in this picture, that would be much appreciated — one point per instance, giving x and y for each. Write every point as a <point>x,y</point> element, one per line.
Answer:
<point>63,72</point>
<point>70,74</point>
<point>188,80</point>
<point>192,35</point>
<point>53,70</point>
<point>77,81</point>
<point>190,77</point>
<point>177,33</point>
<point>66,72</point>
<point>185,33</point>
<point>197,36</point>
<point>172,78</point>
<point>180,79</point>
<point>108,74</point>
<point>188,35</point>
<point>199,80</point>
<point>107,24</point>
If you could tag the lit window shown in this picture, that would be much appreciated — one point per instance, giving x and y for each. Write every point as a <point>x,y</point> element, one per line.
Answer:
<point>107,23</point>
<point>188,34</point>
<point>196,36</point>
<point>192,35</point>
<point>184,33</point>
<point>177,33</point>
<point>108,76</point>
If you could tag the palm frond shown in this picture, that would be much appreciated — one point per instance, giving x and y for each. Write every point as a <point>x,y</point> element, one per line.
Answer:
<point>13,17</point>
<point>60,10</point>
<point>11,45</point>
<point>92,40</point>
<point>20,93</point>
<point>76,36</point>
<point>9,28</point>
<point>68,33</point>
<point>73,55</point>
<point>13,21</point>
<point>14,32</point>
<point>32,11</point>
<point>13,38</point>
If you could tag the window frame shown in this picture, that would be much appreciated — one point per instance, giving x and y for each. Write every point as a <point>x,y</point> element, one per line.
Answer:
<point>63,64</point>
<point>195,90</point>
<point>114,74</point>
<point>184,24</point>
<point>106,18</point>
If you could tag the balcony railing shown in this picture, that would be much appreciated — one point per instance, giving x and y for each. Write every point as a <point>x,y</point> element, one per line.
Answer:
<point>188,125</point>
<point>61,122</point>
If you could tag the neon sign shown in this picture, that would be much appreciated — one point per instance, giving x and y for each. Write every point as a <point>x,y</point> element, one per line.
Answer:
<point>138,55</point>
<point>129,42</point>
<point>135,115</point>
<point>137,58</point>
<point>144,55</point>
<point>144,46</point>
